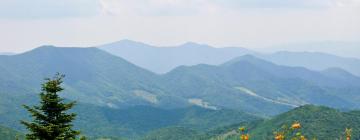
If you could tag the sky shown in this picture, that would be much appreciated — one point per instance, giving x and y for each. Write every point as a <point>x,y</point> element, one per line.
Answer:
<point>254,24</point>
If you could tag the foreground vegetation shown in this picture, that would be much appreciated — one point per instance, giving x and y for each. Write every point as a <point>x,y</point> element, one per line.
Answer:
<point>292,132</point>
<point>316,122</point>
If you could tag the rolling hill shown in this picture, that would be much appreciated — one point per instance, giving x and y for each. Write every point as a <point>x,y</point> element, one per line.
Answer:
<point>261,84</point>
<point>94,76</point>
<point>314,61</point>
<point>164,59</point>
<point>318,122</point>
<point>136,121</point>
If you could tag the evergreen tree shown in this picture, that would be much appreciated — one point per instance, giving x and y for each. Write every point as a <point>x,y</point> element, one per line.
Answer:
<point>50,119</point>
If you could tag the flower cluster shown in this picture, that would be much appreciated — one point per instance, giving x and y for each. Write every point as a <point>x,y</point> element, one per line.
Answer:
<point>293,132</point>
<point>348,133</point>
<point>289,133</point>
<point>279,136</point>
<point>244,135</point>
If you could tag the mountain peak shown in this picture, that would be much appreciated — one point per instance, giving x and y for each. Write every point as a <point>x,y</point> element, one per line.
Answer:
<point>310,107</point>
<point>194,44</point>
<point>48,50</point>
<point>247,58</point>
<point>42,48</point>
<point>46,47</point>
<point>52,47</point>
<point>126,43</point>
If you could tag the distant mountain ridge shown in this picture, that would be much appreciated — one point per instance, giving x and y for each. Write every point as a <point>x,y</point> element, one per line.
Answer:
<point>314,61</point>
<point>164,59</point>
<point>339,48</point>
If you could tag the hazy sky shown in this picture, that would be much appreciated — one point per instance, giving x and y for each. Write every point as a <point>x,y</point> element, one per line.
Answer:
<point>26,24</point>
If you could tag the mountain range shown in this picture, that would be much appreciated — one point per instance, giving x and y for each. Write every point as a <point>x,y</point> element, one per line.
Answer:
<point>99,78</point>
<point>127,100</point>
<point>339,48</point>
<point>164,59</point>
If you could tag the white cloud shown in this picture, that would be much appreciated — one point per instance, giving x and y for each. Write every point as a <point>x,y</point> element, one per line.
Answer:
<point>39,9</point>
<point>347,3</point>
<point>169,22</point>
<point>196,7</point>
<point>80,8</point>
<point>156,7</point>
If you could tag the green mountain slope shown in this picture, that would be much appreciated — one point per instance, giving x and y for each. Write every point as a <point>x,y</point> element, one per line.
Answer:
<point>139,120</point>
<point>136,121</point>
<point>93,76</point>
<point>318,122</point>
<point>262,85</point>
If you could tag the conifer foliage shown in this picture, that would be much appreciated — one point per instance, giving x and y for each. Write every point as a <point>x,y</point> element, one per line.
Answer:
<point>50,119</point>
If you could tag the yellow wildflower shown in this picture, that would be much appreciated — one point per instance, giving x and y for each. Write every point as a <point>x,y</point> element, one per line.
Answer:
<point>296,125</point>
<point>245,137</point>
<point>279,136</point>
<point>242,129</point>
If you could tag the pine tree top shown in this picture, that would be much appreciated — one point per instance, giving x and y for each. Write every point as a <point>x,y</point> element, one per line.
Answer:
<point>50,119</point>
